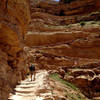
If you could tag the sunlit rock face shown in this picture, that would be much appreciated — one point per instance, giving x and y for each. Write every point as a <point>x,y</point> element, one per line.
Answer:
<point>79,42</point>
<point>46,13</point>
<point>14,19</point>
<point>54,50</point>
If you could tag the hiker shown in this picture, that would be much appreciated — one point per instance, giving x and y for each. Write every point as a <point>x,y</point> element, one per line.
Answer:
<point>32,71</point>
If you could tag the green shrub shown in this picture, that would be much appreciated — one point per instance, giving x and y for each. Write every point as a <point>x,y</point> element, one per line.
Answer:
<point>93,13</point>
<point>93,22</point>
<point>69,26</point>
<point>82,23</point>
<point>68,1</point>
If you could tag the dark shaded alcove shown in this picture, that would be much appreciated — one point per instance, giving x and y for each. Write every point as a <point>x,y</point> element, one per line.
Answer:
<point>61,13</point>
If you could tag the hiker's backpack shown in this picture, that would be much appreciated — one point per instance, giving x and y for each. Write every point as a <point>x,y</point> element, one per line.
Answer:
<point>32,68</point>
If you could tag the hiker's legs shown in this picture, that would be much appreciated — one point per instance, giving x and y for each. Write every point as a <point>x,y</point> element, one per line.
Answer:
<point>31,75</point>
<point>34,75</point>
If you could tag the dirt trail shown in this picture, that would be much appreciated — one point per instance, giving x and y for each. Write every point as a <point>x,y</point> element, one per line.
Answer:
<point>33,90</point>
<point>44,88</point>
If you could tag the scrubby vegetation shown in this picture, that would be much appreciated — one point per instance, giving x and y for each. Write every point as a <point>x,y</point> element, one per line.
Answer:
<point>67,1</point>
<point>82,23</point>
<point>69,95</point>
<point>94,13</point>
<point>56,77</point>
<point>74,97</point>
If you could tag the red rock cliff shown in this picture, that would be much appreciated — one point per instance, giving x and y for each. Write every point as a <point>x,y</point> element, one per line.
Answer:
<point>14,18</point>
<point>76,7</point>
<point>80,7</point>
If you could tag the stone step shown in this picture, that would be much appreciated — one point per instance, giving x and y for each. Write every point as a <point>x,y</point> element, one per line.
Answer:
<point>29,90</point>
<point>96,98</point>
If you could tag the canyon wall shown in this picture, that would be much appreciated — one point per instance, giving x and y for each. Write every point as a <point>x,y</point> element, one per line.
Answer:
<point>47,13</point>
<point>80,42</point>
<point>80,7</point>
<point>14,19</point>
<point>58,43</point>
<point>61,35</point>
<point>76,7</point>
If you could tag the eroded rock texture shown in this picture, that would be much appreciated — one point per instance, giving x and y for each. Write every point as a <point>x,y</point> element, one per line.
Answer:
<point>56,45</point>
<point>14,18</point>
<point>45,13</point>
<point>85,74</point>
<point>79,42</point>
<point>75,7</point>
<point>86,79</point>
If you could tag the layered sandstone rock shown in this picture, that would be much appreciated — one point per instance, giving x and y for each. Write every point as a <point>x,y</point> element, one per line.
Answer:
<point>77,42</point>
<point>14,19</point>
<point>73,8</point>
<point>54,50</point>
<point>80,7</point>
<point>55,46</point>
<point>48,12</point>
<point>86,79</point>
<point>85,74</point>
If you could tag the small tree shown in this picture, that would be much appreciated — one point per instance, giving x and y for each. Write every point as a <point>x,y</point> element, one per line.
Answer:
<point>82,23</point>
<point>66,1</point>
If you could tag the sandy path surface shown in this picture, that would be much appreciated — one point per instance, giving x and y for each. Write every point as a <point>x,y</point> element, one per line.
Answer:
<point>33,90</point>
